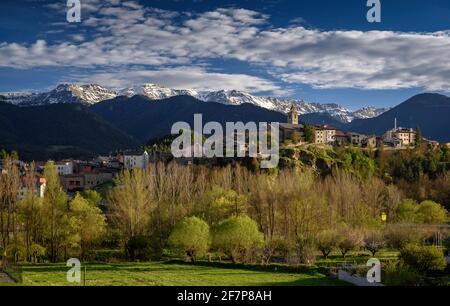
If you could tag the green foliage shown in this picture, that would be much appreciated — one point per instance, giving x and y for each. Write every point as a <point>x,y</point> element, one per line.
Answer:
<point>398,274</point>
<point>139,248</point>
<point>419,138</point>
<point>423,258</point>
<point>92,196</point>
<point>191,237</point>
<point>310,134</point>
<point>427,212</point>
<point>87,222</point>
<point>108,255</point>
<point>430,212</point>
<point>37,252</point>
<point>237,237</point>
<point>55,213</point>
<point>219,204</point>
<point>407,211</point>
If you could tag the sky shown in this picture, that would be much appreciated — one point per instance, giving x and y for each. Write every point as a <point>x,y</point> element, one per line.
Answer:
<point>318,50</point>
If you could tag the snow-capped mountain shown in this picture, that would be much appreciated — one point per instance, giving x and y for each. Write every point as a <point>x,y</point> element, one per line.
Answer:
<point>369,112</point>
<point>93,93</point>
<point>64,93</point>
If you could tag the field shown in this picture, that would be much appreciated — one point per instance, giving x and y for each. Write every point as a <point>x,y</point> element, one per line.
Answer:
<point>174,274</point>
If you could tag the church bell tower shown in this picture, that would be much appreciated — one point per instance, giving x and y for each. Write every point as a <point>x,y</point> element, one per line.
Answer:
<point>293,115</point>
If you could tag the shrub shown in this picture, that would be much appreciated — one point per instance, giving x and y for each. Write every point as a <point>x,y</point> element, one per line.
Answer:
<point>326,241</point>
<point>374,242</point>
<point>276,247</point>
<point>37,252</point>
<point>237,237</point>
<point>406,211</point>
<point>398,274</point>
<point>430,212</point>
<point>399,236</point>
<point>191,237</point>
<point>108,255</point>
<point>138,247</point>
<point>423,258</point>
<point>15,252</point>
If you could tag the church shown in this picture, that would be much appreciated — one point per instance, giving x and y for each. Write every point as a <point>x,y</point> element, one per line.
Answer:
<point>292,130</point>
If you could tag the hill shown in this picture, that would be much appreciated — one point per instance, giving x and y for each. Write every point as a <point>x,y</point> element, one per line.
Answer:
<point>145,119</point>
<point>58,131</point>
<point>430,112</point>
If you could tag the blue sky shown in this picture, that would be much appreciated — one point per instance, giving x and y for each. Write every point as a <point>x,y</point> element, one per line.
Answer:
<point>317,50</point>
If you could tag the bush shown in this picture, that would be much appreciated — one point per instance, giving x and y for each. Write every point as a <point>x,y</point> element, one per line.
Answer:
<point>15,252</point>
<point>427,212</point>
<point>108,255</point>
<point>430,212</point>
<point>37,252</point>
<point>397,274</point>
<point>423,258</point>
<point>326,241</point>
<point>138,248</point>
<point>237,237</point>
<point>406,211</point>
<point>191,237</point>
<point>399,236</point>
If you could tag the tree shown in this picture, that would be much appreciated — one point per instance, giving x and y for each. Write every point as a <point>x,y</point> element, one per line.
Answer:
<point>430,212</point>
<point>9,191</point>
<point>407,210</point>
<point>131,203</point>
<point>191,236</point>
<point>419,138</point>
<point>350,239</point>
<point>219,204</point>
<point>237,237</point>
<point>87,221</point>
<point>374,241</point>
<point>326,241</point>
<point>37,252</point>
<point>30,211</point>
<point>310,134</point>
<point>54,212</point>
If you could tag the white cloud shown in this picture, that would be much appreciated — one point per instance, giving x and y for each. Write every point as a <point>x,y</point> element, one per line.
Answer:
<point>126,33</point>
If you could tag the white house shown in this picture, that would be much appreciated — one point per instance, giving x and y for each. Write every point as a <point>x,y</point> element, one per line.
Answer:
<point>64,168</point>
<point>135,160</point>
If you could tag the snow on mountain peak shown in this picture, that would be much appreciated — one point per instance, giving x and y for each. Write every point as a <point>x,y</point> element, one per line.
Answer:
<point>93,93</point>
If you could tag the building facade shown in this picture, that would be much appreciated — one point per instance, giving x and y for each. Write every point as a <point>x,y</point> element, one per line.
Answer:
<point>325,134</point>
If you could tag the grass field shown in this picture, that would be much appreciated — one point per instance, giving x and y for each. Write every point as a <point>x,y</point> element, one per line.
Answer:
<point>173,274</point>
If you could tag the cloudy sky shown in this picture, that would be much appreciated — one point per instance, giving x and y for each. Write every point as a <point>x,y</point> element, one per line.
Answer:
<point>317,50</point>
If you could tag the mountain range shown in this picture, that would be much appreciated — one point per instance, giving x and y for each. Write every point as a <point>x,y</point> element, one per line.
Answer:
<point>74,129</point>
<point>91,94</point>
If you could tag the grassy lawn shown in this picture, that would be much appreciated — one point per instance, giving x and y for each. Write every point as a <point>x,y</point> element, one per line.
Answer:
<point>173,274</point>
